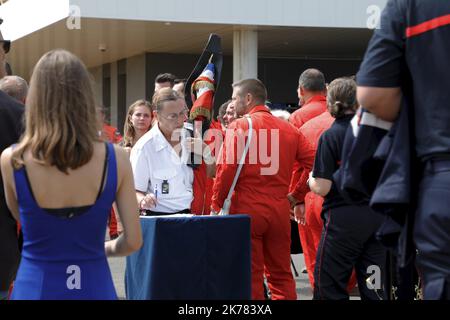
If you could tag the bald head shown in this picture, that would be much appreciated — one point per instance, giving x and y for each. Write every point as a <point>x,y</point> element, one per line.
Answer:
<point>15,87</point>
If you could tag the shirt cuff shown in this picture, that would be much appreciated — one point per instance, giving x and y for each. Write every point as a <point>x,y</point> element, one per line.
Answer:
<point>322,175</point>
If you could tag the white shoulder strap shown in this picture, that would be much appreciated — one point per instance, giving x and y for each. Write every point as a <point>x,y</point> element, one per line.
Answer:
<point>227,203</point>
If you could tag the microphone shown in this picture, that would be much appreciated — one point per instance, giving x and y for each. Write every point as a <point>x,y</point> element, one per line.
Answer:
<point>194,160</point>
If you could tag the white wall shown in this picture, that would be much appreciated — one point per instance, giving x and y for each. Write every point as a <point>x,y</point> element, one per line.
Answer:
<point>314,13</point>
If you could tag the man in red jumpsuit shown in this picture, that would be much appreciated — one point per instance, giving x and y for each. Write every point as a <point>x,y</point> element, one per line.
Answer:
<point>312,119</point>
<point>311,230</point>
<point>312,97</point>
<point>262,188</point>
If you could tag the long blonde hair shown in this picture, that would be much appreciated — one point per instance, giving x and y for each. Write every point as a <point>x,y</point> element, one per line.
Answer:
<point>60,116</point>
<point>128,128</point>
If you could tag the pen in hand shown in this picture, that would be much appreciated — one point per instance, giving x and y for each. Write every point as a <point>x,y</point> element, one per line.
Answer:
<point>155,191</point>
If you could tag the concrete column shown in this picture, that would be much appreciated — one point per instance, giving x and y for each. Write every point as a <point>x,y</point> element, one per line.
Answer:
<point>98,84</point>
<point>114,95</point>
<point>135,79</point>
<point>245,54</point>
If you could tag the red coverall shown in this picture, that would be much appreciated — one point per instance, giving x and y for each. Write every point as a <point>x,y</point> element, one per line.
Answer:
<point>312,108</point>
<point>310,233</point>
<point>264,197</point>
<point>112,135</point>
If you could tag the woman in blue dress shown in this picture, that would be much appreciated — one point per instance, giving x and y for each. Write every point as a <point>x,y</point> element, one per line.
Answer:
<point>60,182</point>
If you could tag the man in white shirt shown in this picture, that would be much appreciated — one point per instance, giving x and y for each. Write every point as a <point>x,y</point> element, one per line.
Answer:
<point>163,181</point>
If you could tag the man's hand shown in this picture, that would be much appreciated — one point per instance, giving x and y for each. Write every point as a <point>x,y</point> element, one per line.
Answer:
<point>148,202</point>
<point>299,214</point>
<point>292,200</point>
<point>213,212</point>
<point>195,145</point>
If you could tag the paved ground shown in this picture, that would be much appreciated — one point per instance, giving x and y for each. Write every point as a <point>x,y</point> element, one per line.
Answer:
<point>304,291</point>
<point>117,266</point>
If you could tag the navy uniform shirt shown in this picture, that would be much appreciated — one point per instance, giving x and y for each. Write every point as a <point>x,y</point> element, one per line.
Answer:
<point>413,45</point>
<point>328,159</point>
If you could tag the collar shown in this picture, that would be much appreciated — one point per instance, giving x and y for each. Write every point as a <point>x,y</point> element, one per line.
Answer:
<point>160,141</point>
<point>260,108</point>
<point>316,98</point>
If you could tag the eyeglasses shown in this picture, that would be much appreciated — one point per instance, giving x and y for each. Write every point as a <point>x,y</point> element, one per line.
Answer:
<point>6,45</point>
<point>174,116</point>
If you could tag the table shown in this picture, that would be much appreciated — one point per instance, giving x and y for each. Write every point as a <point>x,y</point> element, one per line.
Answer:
<point>190,258</point>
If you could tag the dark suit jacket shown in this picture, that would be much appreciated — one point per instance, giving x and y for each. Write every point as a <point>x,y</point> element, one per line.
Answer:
<point>11,114</point>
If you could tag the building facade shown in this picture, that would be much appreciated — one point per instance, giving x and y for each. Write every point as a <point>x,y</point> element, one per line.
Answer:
<point>125,44</point>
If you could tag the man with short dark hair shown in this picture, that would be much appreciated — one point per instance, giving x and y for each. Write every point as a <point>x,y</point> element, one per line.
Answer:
<point>312,97</point>
<point>164,80</point>
<point>14,86</point>
<point>11,113</point>
<point>262,187</point>
<point>179,86</point>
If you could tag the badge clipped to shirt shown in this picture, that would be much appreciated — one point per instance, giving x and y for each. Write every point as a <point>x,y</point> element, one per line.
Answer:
<point>165,187</point>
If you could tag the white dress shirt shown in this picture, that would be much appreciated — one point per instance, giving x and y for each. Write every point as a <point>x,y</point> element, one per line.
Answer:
<point>154,163</point>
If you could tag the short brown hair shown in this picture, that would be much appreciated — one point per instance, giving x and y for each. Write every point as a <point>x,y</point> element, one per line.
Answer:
<point>61,119</point>
<point>253,86</point>
<point>166,77</point>
<point>222,110</point>
<point>341,97</point>
<point>312,80</point>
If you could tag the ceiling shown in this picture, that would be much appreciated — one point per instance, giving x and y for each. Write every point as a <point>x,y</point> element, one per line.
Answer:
<point>126,38</point>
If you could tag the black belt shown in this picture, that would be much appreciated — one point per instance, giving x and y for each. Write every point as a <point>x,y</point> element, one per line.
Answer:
<point>155,213</point>
<point>437,165</point>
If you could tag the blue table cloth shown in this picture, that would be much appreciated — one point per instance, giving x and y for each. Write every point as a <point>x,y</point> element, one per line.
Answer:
<point>189,258</point>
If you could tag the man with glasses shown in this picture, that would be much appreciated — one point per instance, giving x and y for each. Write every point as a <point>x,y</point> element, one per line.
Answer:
<point>11,112</point>
<point>163,180</point>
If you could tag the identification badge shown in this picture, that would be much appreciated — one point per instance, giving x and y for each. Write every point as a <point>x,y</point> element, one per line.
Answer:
<point>165,187</point>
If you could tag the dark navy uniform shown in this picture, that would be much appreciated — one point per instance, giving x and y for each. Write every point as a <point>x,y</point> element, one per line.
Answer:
<point>348,237</point>
<point>11,113</point>
<point>411,50</point>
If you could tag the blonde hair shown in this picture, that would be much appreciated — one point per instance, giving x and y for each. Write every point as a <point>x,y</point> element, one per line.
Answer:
<point>128,128</point>
<point>60,116</point>
<point>341,97</point>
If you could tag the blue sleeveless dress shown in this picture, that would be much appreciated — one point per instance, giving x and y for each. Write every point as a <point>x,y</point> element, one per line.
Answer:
<point>63,258</point>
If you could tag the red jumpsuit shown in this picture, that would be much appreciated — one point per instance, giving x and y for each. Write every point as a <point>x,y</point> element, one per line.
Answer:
<point>311,232</point>
<point>312,108</point>
<point>112,135</point>
<point>264,196</point>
